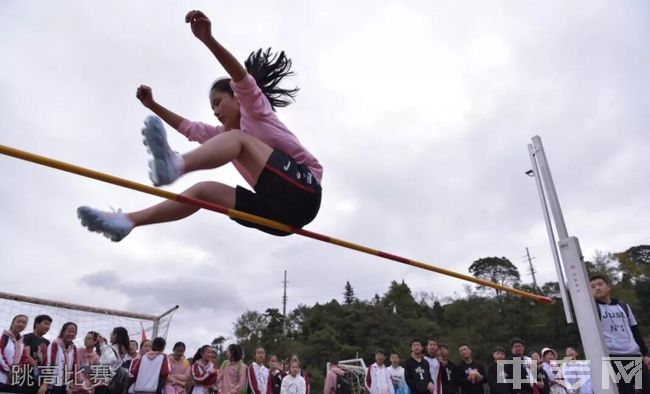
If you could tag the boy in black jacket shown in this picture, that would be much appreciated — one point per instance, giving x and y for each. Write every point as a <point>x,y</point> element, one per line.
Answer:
<point>520,379</point>
<point>495,379</point>
<point>449,385</point>
<point>469,374</point>
<point>416,371</point>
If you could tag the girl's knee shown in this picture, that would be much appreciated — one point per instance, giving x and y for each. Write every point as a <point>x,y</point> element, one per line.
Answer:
<point>213,192</point>
<point>236,133</point>
<point>200,189</point>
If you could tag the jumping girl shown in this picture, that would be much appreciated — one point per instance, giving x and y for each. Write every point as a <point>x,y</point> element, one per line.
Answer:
<point>284,175</point>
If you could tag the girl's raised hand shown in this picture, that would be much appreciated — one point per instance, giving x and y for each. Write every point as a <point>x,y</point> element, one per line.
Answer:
<point>201,25</point>
<point>145,95</point>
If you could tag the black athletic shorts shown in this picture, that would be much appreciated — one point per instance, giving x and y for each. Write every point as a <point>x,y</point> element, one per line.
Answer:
<point>286,192</point>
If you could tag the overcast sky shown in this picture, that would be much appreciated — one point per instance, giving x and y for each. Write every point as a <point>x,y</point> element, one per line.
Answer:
<point>419,112</point>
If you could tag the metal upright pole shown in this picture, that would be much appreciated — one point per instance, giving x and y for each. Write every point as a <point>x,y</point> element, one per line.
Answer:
<point>566,304</point>
<point>579,287</point>
<point>554,202</point>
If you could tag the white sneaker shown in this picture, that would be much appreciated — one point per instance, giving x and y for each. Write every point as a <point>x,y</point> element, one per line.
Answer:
<point>114,225</point>
<point>166,165</point>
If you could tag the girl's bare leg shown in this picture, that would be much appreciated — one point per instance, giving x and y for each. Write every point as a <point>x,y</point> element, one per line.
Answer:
<point>226,147</point>
<point>217,151</point>
<point>168,211</point>
<point>250,152</point>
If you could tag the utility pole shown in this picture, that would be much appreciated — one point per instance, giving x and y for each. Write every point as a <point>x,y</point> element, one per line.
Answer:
<point>284,304</point>
<point>532,268</point>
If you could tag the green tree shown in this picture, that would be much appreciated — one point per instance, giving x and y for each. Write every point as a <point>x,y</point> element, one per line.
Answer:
<point>399,299</point>
<point>495,269</point>
<point>604,264</point>
<point>295,321</point>
<point>248,330</point>
<point>551,289</point>
<point>273,332</point>
<point>217,344</point>
<point>635,263</point>
<point>348,294</point>
<point>642,289</point>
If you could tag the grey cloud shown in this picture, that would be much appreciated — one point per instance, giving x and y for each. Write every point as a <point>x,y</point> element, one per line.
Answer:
<point>194,294</point>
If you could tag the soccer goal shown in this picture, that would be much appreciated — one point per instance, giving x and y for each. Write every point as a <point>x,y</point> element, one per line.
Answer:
<point>87,318</point>
<point>355,372</point>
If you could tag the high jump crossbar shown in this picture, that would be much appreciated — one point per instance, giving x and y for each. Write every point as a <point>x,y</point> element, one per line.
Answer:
<point>235,214</point>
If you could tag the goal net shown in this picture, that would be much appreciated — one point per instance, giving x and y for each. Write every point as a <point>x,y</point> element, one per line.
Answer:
<point>355,372</point>
<point>87,318</point>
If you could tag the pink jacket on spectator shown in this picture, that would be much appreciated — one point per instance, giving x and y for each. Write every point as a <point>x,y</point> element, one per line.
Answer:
<point>330,380</point>
<point>179,373</point>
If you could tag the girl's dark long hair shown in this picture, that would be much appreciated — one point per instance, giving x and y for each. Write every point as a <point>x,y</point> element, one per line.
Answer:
<point>268,69</point>
<point>236,352</point>
<point>199,353</point>
<point>65,327</point>
<point>96,339</point>
<point>122,340</point>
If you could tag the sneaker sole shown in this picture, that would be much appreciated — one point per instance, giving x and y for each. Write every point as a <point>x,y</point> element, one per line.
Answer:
<point>94,223</point>
<point>155,139</point>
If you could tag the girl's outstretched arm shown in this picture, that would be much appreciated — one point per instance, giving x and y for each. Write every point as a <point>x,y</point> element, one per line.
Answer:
<point>194,131</point>
<point>202,29</point>
<point>145,96</point>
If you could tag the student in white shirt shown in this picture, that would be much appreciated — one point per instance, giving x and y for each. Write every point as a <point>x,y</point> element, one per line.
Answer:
<point>397,374</point>
<point>258,373</point>
<point>378,379</point>
<point>293,383</point>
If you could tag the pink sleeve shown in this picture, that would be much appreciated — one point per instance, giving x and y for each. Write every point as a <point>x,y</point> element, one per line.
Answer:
<point>220,379</point>
<point>250,96</point>
<point>328,383</point>
<point>368,379</point>
<point>198,131</point>
<point>5,364</point>
<point>243,378</point>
